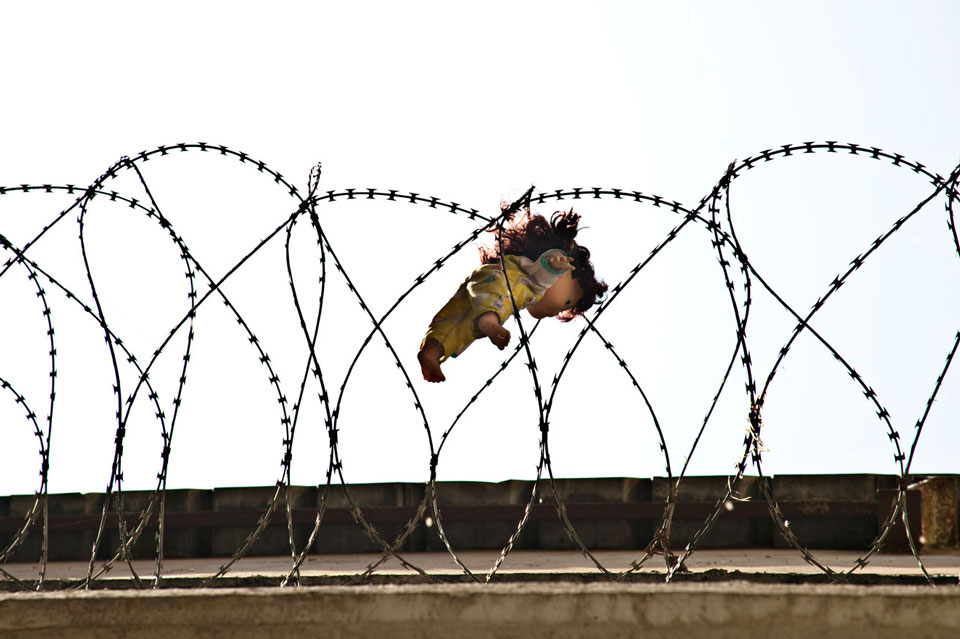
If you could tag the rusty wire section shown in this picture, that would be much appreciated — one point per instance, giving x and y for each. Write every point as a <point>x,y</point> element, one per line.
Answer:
<point>711,215</point>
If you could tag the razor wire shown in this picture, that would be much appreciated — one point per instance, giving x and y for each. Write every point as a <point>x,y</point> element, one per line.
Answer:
<point>713,214</point>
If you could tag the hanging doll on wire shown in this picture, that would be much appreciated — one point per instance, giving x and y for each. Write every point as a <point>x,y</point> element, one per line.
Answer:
<point>550,275</point>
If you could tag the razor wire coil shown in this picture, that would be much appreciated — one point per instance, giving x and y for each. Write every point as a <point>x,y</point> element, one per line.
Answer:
<point>713,213</point>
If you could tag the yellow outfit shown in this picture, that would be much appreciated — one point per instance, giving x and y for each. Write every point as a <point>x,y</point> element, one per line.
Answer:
<point>455,326</point>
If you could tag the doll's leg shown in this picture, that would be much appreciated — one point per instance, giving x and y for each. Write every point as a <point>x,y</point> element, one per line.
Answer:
<point>489,325</point>
<point>429,357</point>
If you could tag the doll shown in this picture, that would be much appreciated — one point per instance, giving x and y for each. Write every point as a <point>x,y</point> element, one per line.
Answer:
<point>549,273</point>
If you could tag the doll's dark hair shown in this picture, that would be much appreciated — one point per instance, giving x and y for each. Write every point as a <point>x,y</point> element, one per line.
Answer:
<point>531,235</point>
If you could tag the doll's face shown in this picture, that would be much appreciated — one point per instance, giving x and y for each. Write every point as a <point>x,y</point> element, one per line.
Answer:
<point>564,294</point>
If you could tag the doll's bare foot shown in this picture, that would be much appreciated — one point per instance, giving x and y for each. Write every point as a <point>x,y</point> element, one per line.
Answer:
<point>489,325</point>
<point>429,357</point>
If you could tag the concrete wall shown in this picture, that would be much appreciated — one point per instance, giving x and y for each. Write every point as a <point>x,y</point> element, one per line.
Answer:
<point>837,511</point>
<point>554,611</point>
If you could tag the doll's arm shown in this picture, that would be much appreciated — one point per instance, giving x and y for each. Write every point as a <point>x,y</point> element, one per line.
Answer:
<point>546,269</point>
<point>557,260</point>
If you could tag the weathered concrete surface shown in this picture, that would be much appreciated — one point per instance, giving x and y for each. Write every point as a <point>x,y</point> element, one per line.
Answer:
<point>557,611</point>
<point>753,561</point>
<point>940,505</point>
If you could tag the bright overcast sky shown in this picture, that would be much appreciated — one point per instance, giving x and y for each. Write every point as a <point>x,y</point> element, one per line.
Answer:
<point>473,106</point>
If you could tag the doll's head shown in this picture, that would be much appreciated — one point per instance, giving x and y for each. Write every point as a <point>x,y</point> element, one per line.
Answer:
<point>531,235</point>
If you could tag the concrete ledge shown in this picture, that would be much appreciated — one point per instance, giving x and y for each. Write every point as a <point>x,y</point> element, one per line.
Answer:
<point>557,611</point>
<point>768,566</point>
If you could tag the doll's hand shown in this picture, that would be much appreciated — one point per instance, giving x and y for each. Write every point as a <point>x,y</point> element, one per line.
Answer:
<point>559,262</point>
<point>500,337</point>
<point>489,325</point>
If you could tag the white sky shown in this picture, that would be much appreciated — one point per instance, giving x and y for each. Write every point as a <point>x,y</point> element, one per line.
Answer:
<point>473,106</point>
